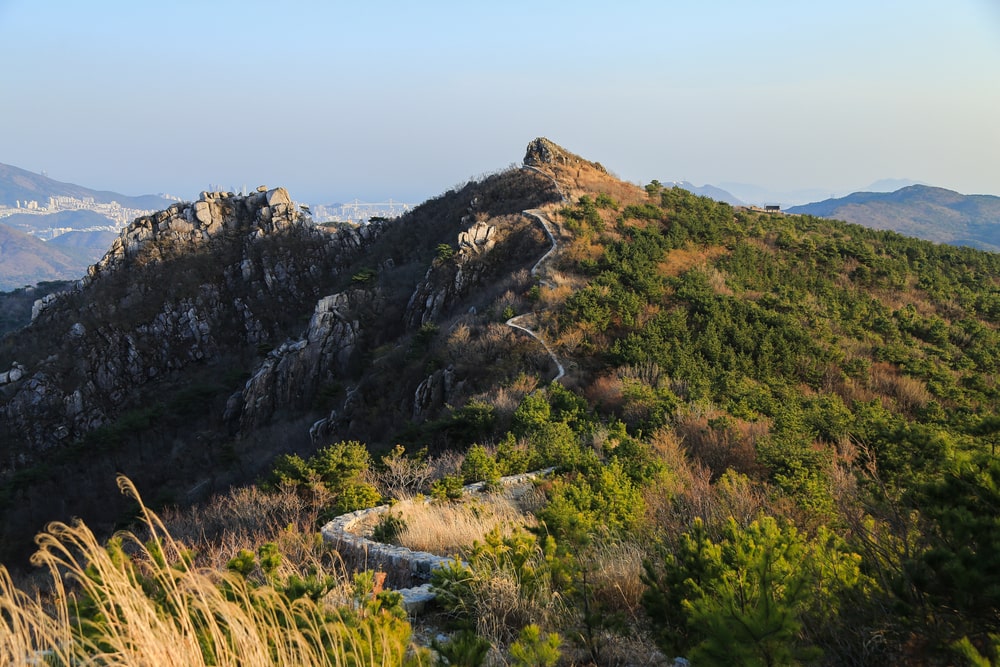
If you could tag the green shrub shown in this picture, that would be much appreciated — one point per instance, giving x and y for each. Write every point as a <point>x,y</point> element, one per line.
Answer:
<point>746,598</point>
<point>448,487</point>
<point>333,475</point>
<point>444,252</point>
<point>388,528</point>
<point>364,276</point>
<point>479,466</point>
<point>535,649</point>
<point>465,649</point>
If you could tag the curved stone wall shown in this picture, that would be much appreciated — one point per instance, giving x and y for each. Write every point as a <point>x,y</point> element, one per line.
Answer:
<point>340,532</point>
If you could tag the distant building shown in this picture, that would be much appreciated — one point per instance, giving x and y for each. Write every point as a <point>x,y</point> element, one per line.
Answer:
<point>770,208</point>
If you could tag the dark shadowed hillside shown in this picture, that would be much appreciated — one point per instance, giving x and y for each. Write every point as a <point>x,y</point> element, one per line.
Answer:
<point>145,367</point>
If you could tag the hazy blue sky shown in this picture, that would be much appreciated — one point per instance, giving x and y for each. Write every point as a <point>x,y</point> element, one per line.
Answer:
<point>337,100</point>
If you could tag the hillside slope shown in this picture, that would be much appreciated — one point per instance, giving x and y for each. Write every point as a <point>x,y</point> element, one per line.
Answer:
<point>25,260</point>
<point>747,399</point>
<point>152,354</point>
<point>934,214</point>
<point>21,184</point>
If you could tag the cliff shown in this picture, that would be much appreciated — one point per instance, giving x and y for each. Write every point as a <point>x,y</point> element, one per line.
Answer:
<point>217,333</point>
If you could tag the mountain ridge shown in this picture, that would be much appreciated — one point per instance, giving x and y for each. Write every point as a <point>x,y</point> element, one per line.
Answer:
<point>244,316</point>
<point>21,184</point>
<point>26,260</point>
<point>927,212</point>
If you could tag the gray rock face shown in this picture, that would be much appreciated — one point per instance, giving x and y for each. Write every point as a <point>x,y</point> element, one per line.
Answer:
<point>447,282</point>
<point>294,373</point>
<point>433,392</point>
<point>480,238</point>
<point>189,225</point>
<point>16,372</point>
<point>180,287</point>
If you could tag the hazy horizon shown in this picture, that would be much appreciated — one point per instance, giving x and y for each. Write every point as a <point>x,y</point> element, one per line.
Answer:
<point>336,101</point>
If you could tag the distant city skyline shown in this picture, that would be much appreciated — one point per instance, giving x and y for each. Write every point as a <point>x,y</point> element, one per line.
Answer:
<point>337,101</point>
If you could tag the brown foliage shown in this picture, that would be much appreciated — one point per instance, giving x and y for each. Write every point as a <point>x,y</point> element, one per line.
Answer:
<point>686,491</point>
<point>680,260</point>
<point>910,393</point>
<point>243,518</point>
<point>722,443</point>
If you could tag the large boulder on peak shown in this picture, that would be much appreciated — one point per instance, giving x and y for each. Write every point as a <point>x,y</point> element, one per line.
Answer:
<point>542,152</point>
<point>278,196</point>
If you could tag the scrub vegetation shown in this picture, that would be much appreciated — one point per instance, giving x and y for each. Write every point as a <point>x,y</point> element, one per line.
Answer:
<point>775,444</point>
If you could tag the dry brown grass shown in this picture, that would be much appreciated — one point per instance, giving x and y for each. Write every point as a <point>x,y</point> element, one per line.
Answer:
<point>607,392</point>
<point>505,399</point>
<point>616,568</point>
<point>563,286</point>
<point>242,624</point>
<point>910,393</point>
<point>451,528</point>
<point>582,178</point>
<point>687,491</point>
<point>243,518</point>
<point>679,260</point>
<point>717,281</point>
<point>722,445</point>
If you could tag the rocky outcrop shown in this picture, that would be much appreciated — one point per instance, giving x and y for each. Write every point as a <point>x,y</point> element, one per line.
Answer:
<point>434,392</point>
<point>16,372</point>
<point>449,280</point>
<point>479,238</point>
<point>188,285</point>
<point>542,153</point>
<point>294,373</point>
<point>185,225</point>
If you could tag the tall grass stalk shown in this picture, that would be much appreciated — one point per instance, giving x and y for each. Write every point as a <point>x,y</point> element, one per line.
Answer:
<point>145,605</point>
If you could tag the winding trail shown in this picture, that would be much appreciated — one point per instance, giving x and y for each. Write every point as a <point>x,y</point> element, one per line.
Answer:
<point>340,531</point>
<point>546,224</point>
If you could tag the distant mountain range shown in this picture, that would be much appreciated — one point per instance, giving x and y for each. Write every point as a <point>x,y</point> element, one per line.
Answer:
<point>51,230</point>
<point>26,260</point>
<point>930,213</point>
<point>746,193</point>
<point>710,191</point>
<point>18,184</point>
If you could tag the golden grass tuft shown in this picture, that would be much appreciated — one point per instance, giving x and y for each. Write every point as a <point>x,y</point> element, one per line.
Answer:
<point>910,393</point>
<point>679,260</point>
<point>155,610</point>
<point>451,528</point>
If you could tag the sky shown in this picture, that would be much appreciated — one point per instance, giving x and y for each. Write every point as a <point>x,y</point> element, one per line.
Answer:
<point>404,100</point>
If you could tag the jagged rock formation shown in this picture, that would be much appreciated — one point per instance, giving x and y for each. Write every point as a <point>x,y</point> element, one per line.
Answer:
<point>293,374</point>
<point>447,281</point>
<point>180,287</point>
<point>187,225</point>
<point>543,153</point>
<point>218,333</point>
<point>433,392</point>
